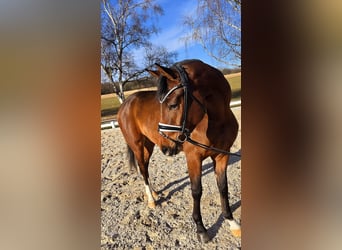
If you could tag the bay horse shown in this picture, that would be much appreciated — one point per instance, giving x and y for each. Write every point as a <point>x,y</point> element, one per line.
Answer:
<point>189,112</point>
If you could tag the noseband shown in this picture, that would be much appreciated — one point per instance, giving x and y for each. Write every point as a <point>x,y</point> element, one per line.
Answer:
<point>184,133</point>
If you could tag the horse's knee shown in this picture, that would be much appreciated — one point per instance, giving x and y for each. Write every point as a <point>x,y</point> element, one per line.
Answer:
<point>222,184</point>
<point>196,192</point>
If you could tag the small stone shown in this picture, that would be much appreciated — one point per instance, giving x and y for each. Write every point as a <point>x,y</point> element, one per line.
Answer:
<point>137,215</point>
<point>115,236</point>
<point>167,228</point>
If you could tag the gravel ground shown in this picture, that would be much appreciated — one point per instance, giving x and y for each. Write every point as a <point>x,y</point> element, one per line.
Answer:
<point>127,222</point>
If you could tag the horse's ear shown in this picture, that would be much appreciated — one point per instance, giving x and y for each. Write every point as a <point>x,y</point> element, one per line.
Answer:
<point>153,73</point>
<point>167,72</point>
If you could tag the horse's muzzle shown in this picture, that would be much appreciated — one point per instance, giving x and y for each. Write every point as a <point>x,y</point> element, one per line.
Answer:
<point>171,151</point>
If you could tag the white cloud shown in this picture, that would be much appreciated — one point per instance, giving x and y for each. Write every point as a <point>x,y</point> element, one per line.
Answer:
<point>172,28</point>
<point>169,38</point>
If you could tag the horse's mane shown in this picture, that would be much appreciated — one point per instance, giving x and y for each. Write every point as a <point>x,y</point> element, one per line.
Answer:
<point>162,87</point>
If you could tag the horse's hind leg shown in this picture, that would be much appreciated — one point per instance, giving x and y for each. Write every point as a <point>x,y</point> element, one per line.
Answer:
<point>220,166</point>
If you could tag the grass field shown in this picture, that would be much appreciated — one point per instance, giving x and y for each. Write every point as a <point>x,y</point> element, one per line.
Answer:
<point>110,103</point>
<point>235,84</point>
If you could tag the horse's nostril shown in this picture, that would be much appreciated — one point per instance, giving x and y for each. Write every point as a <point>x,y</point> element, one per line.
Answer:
<point>164,149</point>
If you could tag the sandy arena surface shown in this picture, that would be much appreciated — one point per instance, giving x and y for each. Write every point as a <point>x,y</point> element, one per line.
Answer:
<point>127,222</point>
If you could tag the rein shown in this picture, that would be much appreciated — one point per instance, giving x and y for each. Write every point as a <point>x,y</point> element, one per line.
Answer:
<point>184,132</point>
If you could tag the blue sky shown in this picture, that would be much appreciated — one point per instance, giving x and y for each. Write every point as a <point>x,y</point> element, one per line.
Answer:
<point>172,30</point>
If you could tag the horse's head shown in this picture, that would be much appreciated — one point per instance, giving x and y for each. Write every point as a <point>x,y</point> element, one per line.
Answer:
<point>176,98</point>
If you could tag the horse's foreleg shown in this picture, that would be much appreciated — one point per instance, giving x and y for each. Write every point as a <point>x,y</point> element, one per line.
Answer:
<point>220,166</point>
<point>150,193</point>
<point>194,168</point>
<point>143,153</point>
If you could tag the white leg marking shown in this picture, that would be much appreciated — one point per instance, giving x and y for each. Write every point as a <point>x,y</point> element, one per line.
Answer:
<point>234,225</point>
<point>149,193</point>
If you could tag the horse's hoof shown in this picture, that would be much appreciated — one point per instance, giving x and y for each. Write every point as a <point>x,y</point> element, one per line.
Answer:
<point>236,233</point>
<point>155,195</point>
<point>235,228</point>
<point>151,204</point>
<point>203,237</point>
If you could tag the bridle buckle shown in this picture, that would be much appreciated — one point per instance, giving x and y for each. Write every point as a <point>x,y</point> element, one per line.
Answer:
<point>182,137</point>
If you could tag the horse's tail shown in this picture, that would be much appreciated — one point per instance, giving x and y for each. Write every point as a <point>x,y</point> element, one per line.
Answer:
<point>131,159</point>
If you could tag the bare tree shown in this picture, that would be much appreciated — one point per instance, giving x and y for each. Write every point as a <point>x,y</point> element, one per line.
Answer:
<point>125,28</point>
<point>216,25</point>
<point>160,55</point>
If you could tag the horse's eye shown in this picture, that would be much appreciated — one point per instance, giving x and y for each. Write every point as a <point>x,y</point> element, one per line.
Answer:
<point>173,106</point>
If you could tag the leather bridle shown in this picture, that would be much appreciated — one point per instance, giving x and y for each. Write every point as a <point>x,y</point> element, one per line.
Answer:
<point>184,133</point>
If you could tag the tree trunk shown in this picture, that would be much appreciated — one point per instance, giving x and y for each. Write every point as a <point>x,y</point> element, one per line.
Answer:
<point>121,94</point>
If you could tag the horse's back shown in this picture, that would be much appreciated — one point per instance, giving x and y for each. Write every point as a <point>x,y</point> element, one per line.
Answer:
<point>208,80</point>
<point>136,103</point>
